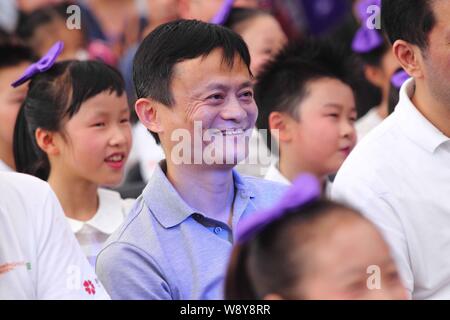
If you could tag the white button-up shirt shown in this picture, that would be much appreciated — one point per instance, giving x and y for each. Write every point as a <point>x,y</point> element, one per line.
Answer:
<point>399,177</point>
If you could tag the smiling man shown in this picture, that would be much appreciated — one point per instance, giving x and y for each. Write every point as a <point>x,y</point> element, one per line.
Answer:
<point>192,80</point>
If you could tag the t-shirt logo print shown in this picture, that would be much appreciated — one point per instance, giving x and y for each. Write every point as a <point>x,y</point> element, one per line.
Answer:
<point>89,287</point>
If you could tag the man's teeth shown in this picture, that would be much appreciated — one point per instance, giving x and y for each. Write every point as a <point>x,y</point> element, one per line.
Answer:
<point>115,158</point>
<point>232,132</point>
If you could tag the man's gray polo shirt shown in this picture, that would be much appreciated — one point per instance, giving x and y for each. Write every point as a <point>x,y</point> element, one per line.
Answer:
<point>166,250</point>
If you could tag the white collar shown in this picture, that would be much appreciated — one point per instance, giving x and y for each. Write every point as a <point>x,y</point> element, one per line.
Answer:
<point>414,124</point>
<point>4,167</point>
<point>109,216</point>
<point>274,174</point>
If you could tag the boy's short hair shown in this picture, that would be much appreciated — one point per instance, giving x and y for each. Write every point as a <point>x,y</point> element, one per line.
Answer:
<point>283,84</point>
<point>14,54</point>
<point>408,20</point>
<point>175,42</point>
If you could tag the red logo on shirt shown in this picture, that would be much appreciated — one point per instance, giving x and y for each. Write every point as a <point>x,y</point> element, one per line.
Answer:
<point>89,287</point>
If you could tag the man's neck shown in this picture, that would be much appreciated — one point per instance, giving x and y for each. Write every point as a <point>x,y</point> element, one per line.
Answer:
<point>433,110</point>
<point>209,190</point>
<point>78,197</point>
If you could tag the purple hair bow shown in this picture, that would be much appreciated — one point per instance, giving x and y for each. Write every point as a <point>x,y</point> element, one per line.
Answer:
<point>45,63</point>
<point>365,39</point>
<point>304,189</point>
<point>223,13</point>
<point>399,78</point>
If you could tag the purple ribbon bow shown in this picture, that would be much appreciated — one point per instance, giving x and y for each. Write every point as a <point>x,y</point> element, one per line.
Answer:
<point>45,63</point>
<point>365,39</point>
<point>304,189</point>
<point>399,78</point>
<point>222,15</point>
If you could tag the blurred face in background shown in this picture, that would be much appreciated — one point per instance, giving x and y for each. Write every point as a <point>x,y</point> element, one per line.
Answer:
<point>203,10</point>
<point>28,6</point>
<point>264,37</point>
<point>162,11</point>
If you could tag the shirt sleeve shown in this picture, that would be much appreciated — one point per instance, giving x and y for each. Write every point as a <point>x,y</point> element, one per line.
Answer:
<point>129,273</point>
<point>63,270</point>
<point>357,193</point>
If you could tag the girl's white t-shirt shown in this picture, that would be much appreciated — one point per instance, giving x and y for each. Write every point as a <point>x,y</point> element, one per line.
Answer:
<point>39,255</point>
<point>92,234</point>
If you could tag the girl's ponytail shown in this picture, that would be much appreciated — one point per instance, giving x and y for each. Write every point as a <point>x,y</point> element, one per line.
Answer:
<point>29,158</point>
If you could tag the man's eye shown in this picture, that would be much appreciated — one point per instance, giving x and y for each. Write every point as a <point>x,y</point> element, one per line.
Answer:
<point>215,97</point>
<point>248,94</point>
<point>125,120</point>
<point>333,115</point>
<point>99,124</point>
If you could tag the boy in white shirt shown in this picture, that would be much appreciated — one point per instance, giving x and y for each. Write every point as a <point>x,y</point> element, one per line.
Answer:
<point>39,255</point>
<point>306,102</point>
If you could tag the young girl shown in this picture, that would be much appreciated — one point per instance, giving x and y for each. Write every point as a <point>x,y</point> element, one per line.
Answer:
<point>379,65</point>
<point>73,130</point>
<point>310,248</point>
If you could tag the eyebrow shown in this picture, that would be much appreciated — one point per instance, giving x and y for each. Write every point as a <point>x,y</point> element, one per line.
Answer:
<point>336,105</point>
<point>221,86</point>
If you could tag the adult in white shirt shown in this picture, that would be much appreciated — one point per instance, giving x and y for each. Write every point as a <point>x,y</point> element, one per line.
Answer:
<point>399,176</point>
<point>39,255</point>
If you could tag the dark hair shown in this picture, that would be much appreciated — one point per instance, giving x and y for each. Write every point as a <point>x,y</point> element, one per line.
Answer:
<point>175,42</point>
<point>240,15</point>
<point>408,20</point>
<point>375,56</point>
<point>274,260</point>
<point>14,54</point>
<point>283,83</point>
<point>53,96</point>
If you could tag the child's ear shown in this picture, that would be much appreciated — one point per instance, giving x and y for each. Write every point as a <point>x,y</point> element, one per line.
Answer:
<point>147,111</point>
<point>46,141</point>
<point>278,126</point>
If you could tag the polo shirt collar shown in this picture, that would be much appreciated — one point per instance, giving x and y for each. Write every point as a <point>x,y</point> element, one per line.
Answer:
<point>167,205</point>
<point>414,124</point>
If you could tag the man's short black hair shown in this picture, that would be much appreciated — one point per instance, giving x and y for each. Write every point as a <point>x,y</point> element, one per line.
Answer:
<point>408,20</point>
<point>283,83</point>
<point>14,54</point>
<point>175,42</point>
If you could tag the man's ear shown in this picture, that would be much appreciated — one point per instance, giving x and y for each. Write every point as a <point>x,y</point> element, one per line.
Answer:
<point>148,112</point>
<point>46,140</point>
<point>278,126</point>
<point>410,58</point>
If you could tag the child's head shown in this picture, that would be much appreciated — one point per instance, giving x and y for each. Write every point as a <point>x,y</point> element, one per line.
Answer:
<point>311,248</point>
<point>43,27</point>
<point>74,122</point>
<point>305,100</point>
<point>261,32</point>
<point>373,50</point>
<point>14,59</point>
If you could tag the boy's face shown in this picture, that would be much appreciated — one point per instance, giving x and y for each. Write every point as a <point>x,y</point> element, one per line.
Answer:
<point>352,262</point>
<point>213,103</point>
<point>324,135</point>
<point>10,101</point>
